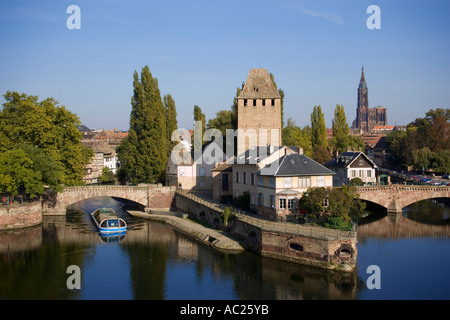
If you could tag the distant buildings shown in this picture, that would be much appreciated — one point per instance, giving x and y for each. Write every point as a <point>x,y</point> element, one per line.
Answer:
<point>104,144</point>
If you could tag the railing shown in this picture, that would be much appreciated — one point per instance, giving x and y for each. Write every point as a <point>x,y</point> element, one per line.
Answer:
<point>274,226</point>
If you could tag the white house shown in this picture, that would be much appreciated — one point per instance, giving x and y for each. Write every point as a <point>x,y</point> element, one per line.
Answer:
<point>350,165</point>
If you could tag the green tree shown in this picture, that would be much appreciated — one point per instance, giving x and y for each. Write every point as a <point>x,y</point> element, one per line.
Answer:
<point>332,207</point>
<point>48,126</point>
<point>318,128</point>
<point>143,154</point>
<point>199,116</point>
<point>171,121</point>
<point>340,140</point>
<point>107,176</point>
<point>441,161</point>
<point>422,158</point>
<point>17,173</point>
<point>295,136</point>
<point>52,175</point>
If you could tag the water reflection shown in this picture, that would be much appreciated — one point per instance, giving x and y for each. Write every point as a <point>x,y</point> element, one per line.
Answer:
<point>153,261</point>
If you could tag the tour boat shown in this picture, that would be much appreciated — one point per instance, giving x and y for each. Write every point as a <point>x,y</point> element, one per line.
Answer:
<point>108,222</point>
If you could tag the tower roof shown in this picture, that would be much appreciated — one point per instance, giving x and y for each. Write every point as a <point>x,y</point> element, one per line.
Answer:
<point>259,86</point>
<point>362,82</point>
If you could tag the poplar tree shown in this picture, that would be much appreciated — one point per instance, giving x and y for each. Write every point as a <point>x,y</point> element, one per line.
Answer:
<point>340,139</point>
<point>171,120</point>
<point>318,128</point>
<point>143,154</point>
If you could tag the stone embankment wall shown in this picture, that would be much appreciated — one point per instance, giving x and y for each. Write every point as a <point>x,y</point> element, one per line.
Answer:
<point>338,253</point>
<point>20,216</point>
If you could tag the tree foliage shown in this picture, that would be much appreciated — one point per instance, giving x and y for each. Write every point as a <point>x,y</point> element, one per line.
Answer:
<point>171,121</point>
<point>144,153</point>
<point>318,128</point>
<point>49,127</point>
<point>329,205</point>
<point>298,137</point>
<point>425,144</point>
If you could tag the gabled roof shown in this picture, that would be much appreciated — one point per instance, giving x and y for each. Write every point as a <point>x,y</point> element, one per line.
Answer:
<point>297,165</point>
<point>259,86</point>
<point>345,159</point>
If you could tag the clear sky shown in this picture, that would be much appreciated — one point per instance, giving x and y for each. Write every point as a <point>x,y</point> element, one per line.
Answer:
<point>201,51</point>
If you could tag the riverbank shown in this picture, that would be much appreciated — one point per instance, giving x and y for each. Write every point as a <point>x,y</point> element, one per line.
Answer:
<point>215,238</point>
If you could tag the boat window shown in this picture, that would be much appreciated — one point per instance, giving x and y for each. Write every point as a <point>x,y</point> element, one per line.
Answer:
<point>103,225</point>
<point>113,223</point>
<point>122,223</point>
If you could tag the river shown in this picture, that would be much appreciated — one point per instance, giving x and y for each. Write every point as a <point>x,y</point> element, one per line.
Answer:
<point>154,261</point>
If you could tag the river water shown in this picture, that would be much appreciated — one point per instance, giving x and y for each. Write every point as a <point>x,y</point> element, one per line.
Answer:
<point>154,261</point>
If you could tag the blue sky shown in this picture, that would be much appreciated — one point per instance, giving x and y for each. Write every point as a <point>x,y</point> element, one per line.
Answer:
<point>201,51</point>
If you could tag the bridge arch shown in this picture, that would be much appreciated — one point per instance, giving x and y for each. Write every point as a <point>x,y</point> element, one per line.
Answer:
<point>395,197</point>
<point>148,196</point>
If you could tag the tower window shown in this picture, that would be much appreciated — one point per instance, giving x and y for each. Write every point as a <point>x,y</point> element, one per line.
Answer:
<point>254,102</point>
<point>273,102</point>
<point>245,102</point>
<point>264,102</point>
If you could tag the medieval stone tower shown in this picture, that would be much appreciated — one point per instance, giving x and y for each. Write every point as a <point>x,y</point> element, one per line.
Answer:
<point>259,112</point>
<point>367,118</point>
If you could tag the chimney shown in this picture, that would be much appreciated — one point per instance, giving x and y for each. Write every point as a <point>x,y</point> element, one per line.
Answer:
<point>300,150</point>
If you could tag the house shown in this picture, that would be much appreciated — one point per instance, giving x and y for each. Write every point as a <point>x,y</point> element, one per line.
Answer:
<point>276,179</point>
<point>352,164</point>
<point>194,172</point>
<point>104,156</point>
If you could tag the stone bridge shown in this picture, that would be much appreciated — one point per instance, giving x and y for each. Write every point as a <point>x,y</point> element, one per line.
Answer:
<point>395,197</point>
<point>150,197</point>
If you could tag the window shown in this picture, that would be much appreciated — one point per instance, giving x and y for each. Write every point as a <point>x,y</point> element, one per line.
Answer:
<point>252,179</point>
<point>272,201</point>
<point>245,102</point>
<point>182,172</point>
<point>272,182</point>
<point>287,182</point>
<point>273,102</point>
<point>237,176</point>
<point>304,182</point>
<point>252,199</point>
<point>263,102</point>
<point>254,102</point>
<point>202,183</point>
<point>225,182</point>
<point>261,199</point>
<point>260,181</point>
<point>202,171</point>
<point>353,173</point>
<point>369,173</point>
<point>245,178</point>
<point>282,203</point>
<point>291,204</point>
<point>321,181</point>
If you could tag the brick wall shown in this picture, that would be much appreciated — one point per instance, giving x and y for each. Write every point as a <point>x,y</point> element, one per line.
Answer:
<point>16,217</point>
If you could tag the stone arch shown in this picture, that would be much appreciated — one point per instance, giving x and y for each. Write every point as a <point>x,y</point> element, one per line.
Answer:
<point>73,195</point>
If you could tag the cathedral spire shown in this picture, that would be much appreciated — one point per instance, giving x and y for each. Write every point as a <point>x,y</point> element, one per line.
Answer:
<point>362,82</point>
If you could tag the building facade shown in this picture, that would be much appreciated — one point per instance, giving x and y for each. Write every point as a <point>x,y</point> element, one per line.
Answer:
<point>350,165</point>
<point>367,118</point>
<point>276,183</point>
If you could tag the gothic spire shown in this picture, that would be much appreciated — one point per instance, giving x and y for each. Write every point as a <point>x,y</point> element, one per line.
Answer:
<point>362,82</point>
